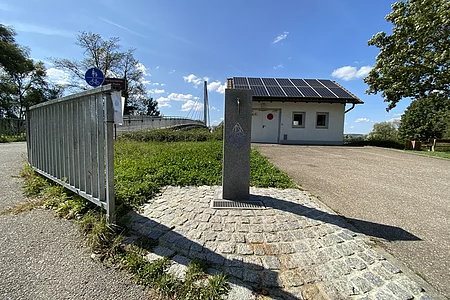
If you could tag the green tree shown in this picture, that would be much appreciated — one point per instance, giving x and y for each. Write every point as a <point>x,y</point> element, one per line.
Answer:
<point>12,55</point>
<point>414,61</point>
<point>383,131</point>
<point>425,118</point>
<point>108,57</point>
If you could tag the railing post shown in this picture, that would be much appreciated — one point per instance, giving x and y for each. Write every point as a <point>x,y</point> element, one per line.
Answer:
<point>109,138</point>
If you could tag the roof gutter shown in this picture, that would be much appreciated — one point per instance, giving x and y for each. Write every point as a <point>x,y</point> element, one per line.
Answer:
<point>353,106</point>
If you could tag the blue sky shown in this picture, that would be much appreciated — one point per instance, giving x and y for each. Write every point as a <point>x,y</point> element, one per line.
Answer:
<point>180,43</point>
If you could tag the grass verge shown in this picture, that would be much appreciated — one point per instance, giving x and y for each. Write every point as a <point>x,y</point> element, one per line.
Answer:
<point>142,169</point>
<point>433,154</point>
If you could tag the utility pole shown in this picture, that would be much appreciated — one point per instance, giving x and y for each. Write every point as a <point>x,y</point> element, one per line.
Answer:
<point>205,104</point>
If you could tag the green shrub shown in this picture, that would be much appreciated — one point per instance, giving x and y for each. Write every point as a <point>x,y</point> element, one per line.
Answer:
<point>171,135</point>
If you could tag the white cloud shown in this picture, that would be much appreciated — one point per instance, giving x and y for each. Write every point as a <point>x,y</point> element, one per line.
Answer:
<point>58,76</point>
<point>192,78</point>
<point>163,102</point>
<point>156,91</point>
<point>181,97</point>
<point>362,120</point>
<point>278,67</point>
<point>171,72</point>
<point>143,69</point>
<point>192,105</point>
<point>157,67</point>
<point>281,37</point>
<point>34,28</point>
<point>349,72</point>
<point>351,127</point>
<point>217,86</point>
<point>213,108</point>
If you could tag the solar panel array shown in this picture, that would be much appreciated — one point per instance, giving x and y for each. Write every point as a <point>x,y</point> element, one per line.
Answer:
<point>292,88</point>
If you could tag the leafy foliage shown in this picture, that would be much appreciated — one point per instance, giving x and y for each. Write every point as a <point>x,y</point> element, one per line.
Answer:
<point>386,131</point>
<point>170,135</point>
<point>425,118</point>
<point>141,169</point>
<point>108,57</point>
<point>414,61</point>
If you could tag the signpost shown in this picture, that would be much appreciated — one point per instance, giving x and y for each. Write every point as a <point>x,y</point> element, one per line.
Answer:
<point>117,83</point>
<point>94,77</point>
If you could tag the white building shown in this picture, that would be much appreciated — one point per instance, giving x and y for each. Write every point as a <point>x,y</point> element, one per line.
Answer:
<point>297,111</point>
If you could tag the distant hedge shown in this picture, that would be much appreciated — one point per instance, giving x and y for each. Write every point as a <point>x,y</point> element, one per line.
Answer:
<point>170,135</point>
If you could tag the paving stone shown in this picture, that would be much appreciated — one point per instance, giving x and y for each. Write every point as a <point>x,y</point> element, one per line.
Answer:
<point>151,257</point>
<point>309,275</point>
<point>229,227</point>
<point>244,249</point>
<point>280,227</point>
<point>355,263</point>
<point>373,279</point>
<point>154,235</point>
<point>209,236</point>
<point>384,295</point>
<point>194,234</point>
<point>215,258</point>
<point>252,262</point>
<point>222,212</point>
<point>343,235</point>
<point>288,261</point>
<point>226,248</point>
<point>233,260</point>
<point>382,272</point>
<point>269,228</point>
<point>333,253</point>
<point>238,237</point>
<point>200,255</point>
<point>203,226</point>
<point>247,213</point>
<point>251,276</point>
<point>271,279</point>
<point>255,238</point>
<point>327,272</point>
<point>291,278</point>
<point>196,247</point>
<point>240,291</point>
<point>217,227</point>
<point>242,227</point>
<point>243,220</point>
<point>344,249</point>
<point>223,236</point>
<point>286,236</point>
<point>235,213</point>
<point>298,234</point>
<point>271,262</point>
<point>215,219</point>
<point>375,254</point>
<point>235,272</point>
<point>410,285</point>
<point>285,248</point>
<point>301,246</point>
<point>362,284</point>
<point>210,246</point>
<point>203,217</point>
<point>398,291</point>
<point>259,249</point>
<point>179,221</point>
<point>178,270</point>
<point>391,268</point>
<point>256,228</point>
<point>366,258</point>
<point>346,287</point>
<point>426,297</point>
<point>341,267</point>
<point>271,237</point>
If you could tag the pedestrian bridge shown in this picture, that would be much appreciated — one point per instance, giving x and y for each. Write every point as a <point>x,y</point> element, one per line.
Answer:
<point>135,123</point>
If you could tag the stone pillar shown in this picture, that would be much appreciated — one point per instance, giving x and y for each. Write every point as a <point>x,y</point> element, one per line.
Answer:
<point>236,144</point>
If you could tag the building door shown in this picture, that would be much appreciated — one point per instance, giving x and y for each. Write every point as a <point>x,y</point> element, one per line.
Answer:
<point>265,126</point>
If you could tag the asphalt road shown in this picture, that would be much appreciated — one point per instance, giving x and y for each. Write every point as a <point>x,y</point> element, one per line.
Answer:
<point>401,198</point>
<point>43,256</point>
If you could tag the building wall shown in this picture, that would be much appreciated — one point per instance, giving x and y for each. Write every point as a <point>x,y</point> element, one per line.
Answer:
<point>309,134</point>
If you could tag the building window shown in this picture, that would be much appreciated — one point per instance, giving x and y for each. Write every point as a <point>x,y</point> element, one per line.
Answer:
<point>298,120</point>
<point>322,120</point>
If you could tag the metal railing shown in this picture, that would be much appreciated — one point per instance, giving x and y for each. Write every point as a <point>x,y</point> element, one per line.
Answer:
<point>12,127</point>
<point>135,123</point>
<point>70,141</point>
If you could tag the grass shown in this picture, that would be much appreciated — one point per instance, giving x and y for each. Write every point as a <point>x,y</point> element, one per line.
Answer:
<point>433,154</point>
<point>10,139</point>
<point>142,169</point>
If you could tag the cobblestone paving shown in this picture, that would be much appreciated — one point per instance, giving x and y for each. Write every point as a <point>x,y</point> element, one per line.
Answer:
<point>294,249</point>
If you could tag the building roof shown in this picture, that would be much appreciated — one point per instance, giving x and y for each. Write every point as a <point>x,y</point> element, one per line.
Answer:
<point>294,90</point>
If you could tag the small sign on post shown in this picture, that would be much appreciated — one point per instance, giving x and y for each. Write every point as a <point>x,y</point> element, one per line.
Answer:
<point>94,77</point>
<point>117,83</point>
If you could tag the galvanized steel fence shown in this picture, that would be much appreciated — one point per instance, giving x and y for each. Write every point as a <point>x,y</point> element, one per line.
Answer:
<point>135,123</point>
<point>70,141</point>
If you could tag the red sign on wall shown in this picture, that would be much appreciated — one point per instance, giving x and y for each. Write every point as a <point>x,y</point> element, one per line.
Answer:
<point>269,116</point>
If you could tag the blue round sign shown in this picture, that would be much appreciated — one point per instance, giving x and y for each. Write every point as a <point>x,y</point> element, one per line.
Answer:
<point>94,77</point>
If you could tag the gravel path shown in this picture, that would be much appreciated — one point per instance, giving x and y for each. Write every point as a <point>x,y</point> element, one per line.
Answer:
<point>400,197</point>
<point>42,256</point>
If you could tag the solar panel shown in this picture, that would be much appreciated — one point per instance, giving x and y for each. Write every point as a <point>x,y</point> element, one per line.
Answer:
<point>324,92</point>
<point>307,91</point>
<point>341,93</point>
<point>270,82</point>
<point>291,91</point>
<point>241,87</point>
<point>328,83</point>
<point>275,91</point>
<point>255,81</point>
<point>259,90</point>
<point>299,82</point>
<point>240,81</point>
<point>313,82</point>
<point>284,82</point>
